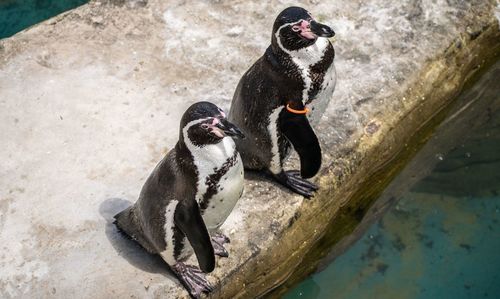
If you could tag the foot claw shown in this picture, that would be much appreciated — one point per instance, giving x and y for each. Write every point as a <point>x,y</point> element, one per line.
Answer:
<point>294,176</point>
<point>296,183</point>
<point>221,238</point>
<point>193,279</point>
<point>218,241</point>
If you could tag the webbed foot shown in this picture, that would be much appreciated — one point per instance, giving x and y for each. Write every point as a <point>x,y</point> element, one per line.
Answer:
<point>193,279</point>
<point>293,181</point>
<point>218,241</point>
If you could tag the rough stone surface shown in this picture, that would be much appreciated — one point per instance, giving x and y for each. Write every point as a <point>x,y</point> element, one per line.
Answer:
<point>91,100</point>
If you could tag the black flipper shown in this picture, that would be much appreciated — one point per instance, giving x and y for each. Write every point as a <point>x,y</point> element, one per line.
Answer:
<point>298,131</point>
<point>188,219</point>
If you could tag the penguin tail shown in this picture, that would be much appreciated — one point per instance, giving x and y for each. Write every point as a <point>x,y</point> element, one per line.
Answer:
<point>127,224</point>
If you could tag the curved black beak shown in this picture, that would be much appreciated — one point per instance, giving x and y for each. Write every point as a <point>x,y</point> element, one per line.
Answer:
<point>229,129</point>
<point>321,30</point>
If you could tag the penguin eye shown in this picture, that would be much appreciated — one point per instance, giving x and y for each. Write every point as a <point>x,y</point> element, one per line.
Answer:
<point>204,126</point>
<point>295,28</point>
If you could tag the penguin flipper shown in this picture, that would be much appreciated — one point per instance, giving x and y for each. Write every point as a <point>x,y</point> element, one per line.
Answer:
<point>126,222</point>
<point>188,219</point>
<point>299,132</point>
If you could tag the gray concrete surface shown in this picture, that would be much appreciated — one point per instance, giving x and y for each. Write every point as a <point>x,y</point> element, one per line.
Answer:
<point>90,101</point>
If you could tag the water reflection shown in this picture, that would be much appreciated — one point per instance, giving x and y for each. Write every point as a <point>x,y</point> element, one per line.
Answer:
<point>442,238</point>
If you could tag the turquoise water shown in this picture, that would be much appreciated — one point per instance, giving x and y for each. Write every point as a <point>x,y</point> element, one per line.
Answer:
<point>441,238</point>
<point>16,15</point>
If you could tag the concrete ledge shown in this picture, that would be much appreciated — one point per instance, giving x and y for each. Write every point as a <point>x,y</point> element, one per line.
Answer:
<point>91,100</point>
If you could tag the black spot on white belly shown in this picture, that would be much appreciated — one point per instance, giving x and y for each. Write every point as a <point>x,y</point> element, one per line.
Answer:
<point>213,180</point>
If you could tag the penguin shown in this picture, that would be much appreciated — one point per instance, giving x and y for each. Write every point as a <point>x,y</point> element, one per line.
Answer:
<point>188,196</point>
<point>282,95</point>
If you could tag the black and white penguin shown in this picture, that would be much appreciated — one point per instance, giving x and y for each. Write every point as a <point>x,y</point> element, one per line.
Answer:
<point>188,196</point>
<point>282,94</point>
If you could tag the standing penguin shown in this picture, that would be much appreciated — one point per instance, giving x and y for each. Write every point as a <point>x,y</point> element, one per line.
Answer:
<point>189,195</point>
<point>288,88</point>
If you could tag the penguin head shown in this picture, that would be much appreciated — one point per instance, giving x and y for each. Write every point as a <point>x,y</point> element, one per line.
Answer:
<point>295,28</point>
<point>204,123</point>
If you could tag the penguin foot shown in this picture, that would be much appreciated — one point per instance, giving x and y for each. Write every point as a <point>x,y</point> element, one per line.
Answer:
<point>293,181</point>
<point>221,238</point>
<point>193,279</point>
<point>218,241</point>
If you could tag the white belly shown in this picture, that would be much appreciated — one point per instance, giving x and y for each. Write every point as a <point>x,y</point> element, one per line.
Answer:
<point>318,106</point>
<point>222,203</point>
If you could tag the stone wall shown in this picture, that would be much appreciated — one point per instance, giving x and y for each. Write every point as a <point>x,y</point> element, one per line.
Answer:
<point>91,99</point>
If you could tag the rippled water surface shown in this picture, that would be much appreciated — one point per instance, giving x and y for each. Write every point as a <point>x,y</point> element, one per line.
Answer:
<point>16,15</point>
<point>442,237</point>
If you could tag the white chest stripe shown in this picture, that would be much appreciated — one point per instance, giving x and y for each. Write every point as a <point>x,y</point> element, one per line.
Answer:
<point>168,253</point>
<point>272,128</point>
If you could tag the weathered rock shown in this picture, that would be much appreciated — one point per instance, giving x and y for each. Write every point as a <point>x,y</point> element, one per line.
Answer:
<point>91,100</point>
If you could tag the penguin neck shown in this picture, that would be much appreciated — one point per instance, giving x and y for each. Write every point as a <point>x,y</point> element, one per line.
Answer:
<point>303,62</point>
<point>209,156</point>
<point>306,56</point>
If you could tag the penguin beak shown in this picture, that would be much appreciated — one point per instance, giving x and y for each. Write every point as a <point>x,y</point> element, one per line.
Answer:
<point>229,129</point>
<point>321,30</point>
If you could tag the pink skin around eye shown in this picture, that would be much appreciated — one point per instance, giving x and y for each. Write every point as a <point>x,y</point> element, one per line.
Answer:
<point>305,30</point>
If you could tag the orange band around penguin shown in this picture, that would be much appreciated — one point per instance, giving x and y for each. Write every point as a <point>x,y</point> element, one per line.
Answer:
<point>303,111</point>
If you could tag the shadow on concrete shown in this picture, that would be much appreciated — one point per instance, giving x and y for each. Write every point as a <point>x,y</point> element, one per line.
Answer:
<point>263,176</point>
<point>126,247</point>
<point>258,176</point>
